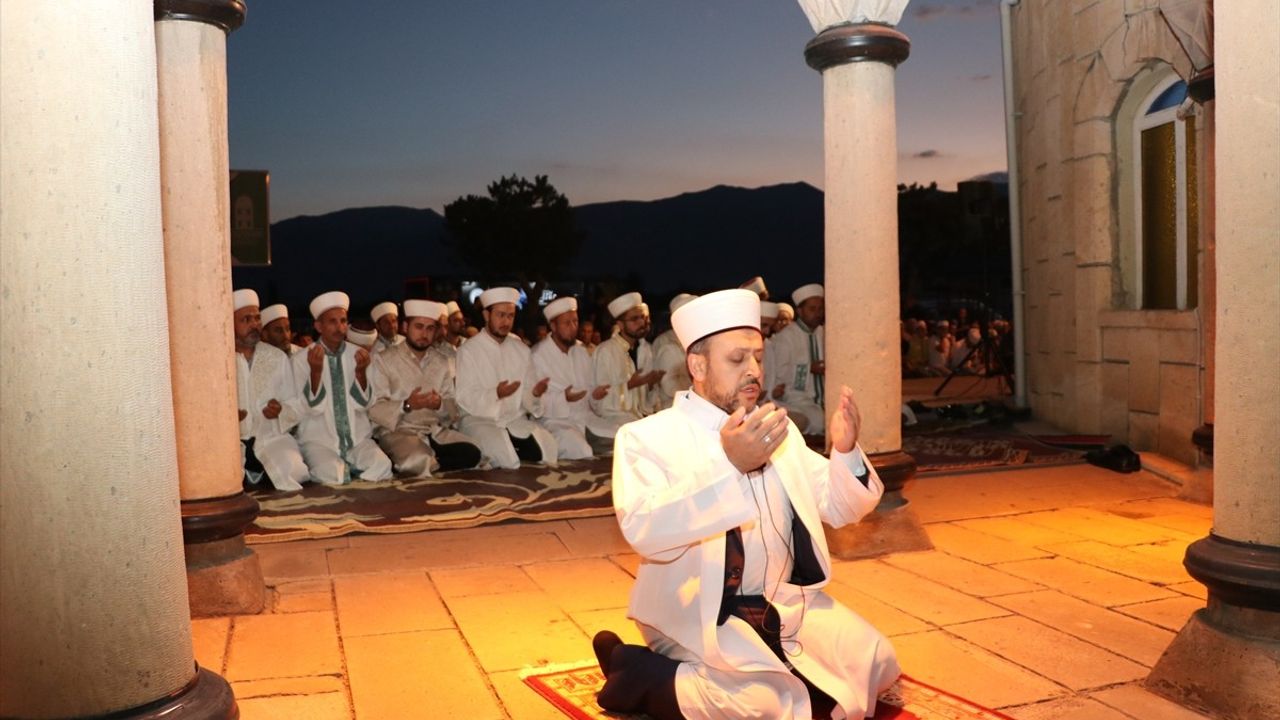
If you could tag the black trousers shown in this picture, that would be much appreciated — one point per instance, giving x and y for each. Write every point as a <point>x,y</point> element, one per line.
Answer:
<point>764,619</point>
<point>455,456</point>
<point>526,448</point>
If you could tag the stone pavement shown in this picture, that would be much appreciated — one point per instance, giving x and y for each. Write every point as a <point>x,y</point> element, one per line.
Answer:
<point>1050,594</point>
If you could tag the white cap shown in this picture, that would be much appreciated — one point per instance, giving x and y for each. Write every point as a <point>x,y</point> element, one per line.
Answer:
<point>451,307</point>
<point>363,338</point>
<point>244,298</point>
<point>786,309</point>
<point>382,309</point>
<point>625,302</point>
<point>559,306</point>
<point>496,295</point>
<point>755,285</point>
<point>804,292</point>
<point>716,312</point>
<point>328,301</point>
<point>423,309</point>
<point>768,309</point>
<point>678,301</point>
<point>271,313</point>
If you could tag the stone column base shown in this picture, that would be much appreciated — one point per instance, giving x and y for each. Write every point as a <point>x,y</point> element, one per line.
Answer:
<point>893,527</point>
<point>207,697</point>
<point>224,576</point>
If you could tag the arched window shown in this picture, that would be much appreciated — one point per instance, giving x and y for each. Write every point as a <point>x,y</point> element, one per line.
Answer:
<point>1166,211</point>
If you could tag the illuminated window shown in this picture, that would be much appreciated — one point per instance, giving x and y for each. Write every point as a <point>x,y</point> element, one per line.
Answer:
<point>1167,215</point>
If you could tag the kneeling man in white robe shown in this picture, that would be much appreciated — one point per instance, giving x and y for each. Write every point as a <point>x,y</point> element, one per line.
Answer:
<point>334,433</point>
<point>268,402</point>
<point>724,502</point>
<point>497,391</point>
<point>566,411</point>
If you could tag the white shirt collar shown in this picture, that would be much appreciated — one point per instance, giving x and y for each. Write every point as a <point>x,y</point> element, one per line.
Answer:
<point>700,410</point>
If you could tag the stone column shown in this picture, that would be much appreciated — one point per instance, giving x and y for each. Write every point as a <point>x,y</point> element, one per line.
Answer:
<point>1227,658</point>
<point>191,48</point>
<point>93,597</point>
<point>857,52</point>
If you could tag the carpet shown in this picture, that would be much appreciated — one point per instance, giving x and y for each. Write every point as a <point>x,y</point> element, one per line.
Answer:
<point>981,448</point>
<point>572,689</point>
<point>462,499</point>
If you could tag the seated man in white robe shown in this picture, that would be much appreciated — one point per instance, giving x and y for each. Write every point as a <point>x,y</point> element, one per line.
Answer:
<point>566,411</point>
<point>786,316</point>
<point>497,391</point>
<point>800,360</point>
<point>769,321</point>
<point>268,399</point>
<point>334,432</point>
<point>624,362</point>
<point>386,322</point>
<point>725,504</point>
<point>276,330</point>
<point>452,326</point>
<point>413,407</point>
<point>668,357</point>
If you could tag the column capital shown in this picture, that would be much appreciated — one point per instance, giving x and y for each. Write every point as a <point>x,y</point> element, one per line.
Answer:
<point>843,44</point>
<point>225,14</point>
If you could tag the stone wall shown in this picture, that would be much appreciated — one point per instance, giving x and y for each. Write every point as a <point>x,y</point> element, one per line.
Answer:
<point>1081,67</point>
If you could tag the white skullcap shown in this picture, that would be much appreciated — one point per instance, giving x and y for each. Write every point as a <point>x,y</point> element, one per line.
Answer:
<point>271,313</point>
<point>423,309</point>
<point>451,307</point>
<point>363,338</point>
<point>804,292</point>
<point>496,295</point>
<point>768,309</point>
<point>382,309</point>
<point>624,302</point>
<point>678,301</point>
<point>244,298</point>
<point>559,306</point>
<point>755,285</point>
<point>716,312</point>
<point>329,300</point>
<point>786,309</point>
<point>975,336</point>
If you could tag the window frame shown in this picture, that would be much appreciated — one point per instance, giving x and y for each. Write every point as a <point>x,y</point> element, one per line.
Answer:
<point>1144,121</point>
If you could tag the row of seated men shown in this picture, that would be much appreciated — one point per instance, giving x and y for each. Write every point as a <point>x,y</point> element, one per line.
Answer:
<point>414,399</point>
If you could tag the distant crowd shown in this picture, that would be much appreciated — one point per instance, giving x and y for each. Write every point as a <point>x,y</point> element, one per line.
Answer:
<point>942,347</point>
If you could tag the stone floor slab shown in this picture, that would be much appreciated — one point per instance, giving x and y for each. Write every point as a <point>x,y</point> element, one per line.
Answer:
<point>979,547</point>
<point>612,619</point>
<point>1100,587</point>
<point>1010,527</point>
<point>1151,567</point>
<point>945,661</point>
<point>427,673</point>
<point>1170,614</point>
<point>964,575</point>
<point>1145,705</point>
<point>1102,526</point>
<point>209,641</point>
<point>283,645</point>
<point>433,553</point>
<point>583,584</point>
<point>287,561</point>
<point>290,602</point>
<point>394,602</point>
<point>520,701</point>
<point>488,580</point>
<point>1120,634</point>
<point>483,534</point>
<point>314,685</point>
<point>1192,589</point>
<point>594,537</point>
<point>913,594</point>
<point>1049,652</point>
<point>513,631</point>
<point>326,706</point>
<point>1068,708</point>
<point>884,617</point>
<point>627,561</point>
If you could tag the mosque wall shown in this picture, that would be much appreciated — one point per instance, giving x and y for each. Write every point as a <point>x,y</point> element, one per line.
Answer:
<point>1097,362</point>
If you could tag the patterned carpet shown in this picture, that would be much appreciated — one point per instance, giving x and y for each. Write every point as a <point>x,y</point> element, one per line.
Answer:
<point>982,447</point>
<point>573,690</point>
<point>462,499</point>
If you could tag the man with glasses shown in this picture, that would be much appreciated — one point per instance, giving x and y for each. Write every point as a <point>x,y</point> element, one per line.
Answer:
<point>625,363</point>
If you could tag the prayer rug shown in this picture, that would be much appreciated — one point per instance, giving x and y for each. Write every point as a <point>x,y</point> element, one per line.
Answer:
<point>462,499</point>
<point>982,448</point>
<point>572,689</point>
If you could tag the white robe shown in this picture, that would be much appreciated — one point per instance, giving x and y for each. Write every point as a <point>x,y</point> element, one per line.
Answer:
<point>669,356</point>
<point>793,369</point>
<point>381,344</point>
<point>568,421</point>
<point>393,375</point>
<point>612,365</point>
<point>320,434</point>
<point>270,377</point>
<point>676,495</point>
<point>486,418</point>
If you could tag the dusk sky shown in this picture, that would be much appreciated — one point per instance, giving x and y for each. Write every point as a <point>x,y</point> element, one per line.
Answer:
<point>416,103</point>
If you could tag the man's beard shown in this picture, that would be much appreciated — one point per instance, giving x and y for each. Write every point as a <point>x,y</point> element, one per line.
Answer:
<point>730,401</point>
<point>415,346</point>
<point>253,338</point>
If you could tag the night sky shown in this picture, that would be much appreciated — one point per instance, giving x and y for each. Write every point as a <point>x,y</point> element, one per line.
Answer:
<point>354,104</point>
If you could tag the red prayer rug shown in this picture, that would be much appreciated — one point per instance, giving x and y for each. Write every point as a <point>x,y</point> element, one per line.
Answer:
<point>573,688</point>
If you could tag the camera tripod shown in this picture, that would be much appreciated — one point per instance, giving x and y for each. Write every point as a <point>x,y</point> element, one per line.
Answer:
<point>993,365</point>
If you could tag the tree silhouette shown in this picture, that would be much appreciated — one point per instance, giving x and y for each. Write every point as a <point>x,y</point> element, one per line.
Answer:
<point>522,229</point>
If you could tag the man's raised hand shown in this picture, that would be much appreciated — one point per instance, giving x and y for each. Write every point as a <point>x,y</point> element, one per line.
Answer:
<point>599,393</point>
<point>749,439</point>
<point>574,395</point>
<point>846,422</point>
<point>541,387</point>
<point>271,410</point>
<point>506,388</point>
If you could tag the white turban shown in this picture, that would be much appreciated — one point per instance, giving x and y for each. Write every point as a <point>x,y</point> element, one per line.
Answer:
<point>804,292</point>
<point>755,285</point>
<point>423,309</point>
<point>451,307</point>
<point>382,309</point>
<point>678,301</point>
<point>768,309</point>
<point>559,306</point>
<point>244,299</point>
<point>271,313</point>
<point>625,302</point>
<point>786,309</point>
<point>496,295</point>
<point>328,301</point>
<point>363,338</point>
<point>716,312</point>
